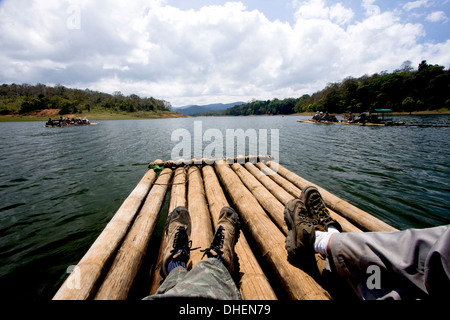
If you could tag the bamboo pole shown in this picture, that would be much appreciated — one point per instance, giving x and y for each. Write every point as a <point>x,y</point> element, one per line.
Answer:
<point>277,190</point>
<point>294,191</point>
<point>253,283</point>
<point>81,283</point>
<point>287,185</point>
<point>201,231</point>
<point>128,260</point>
<point>270,240</point>
<point>267,200</point>
<point>357,216</point>
<point>177,198</point>
<point>178,191</point>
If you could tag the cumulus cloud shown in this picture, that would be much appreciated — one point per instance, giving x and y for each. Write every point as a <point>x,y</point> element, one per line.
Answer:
<point>437,16</point>
<point>217,53</point>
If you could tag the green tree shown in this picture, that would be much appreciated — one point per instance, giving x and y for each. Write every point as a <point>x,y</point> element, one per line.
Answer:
<point>408,104</point>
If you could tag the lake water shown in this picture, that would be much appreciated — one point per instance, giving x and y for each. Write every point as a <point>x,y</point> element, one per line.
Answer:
<point>60,186</point>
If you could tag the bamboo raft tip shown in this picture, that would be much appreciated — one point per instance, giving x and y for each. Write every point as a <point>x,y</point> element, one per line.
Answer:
<point>210,161</point>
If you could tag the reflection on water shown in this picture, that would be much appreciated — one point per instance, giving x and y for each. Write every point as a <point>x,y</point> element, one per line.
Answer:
<point>60,186</point>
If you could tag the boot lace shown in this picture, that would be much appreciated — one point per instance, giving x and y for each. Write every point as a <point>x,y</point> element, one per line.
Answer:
<point>216,245</point>
<point>320,210</point>
<point>305,219</point>
<point>182,246</point>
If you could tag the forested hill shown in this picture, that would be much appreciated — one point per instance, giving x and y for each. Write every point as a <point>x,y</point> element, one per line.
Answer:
<point>405,89</point>
<point>24,98</point>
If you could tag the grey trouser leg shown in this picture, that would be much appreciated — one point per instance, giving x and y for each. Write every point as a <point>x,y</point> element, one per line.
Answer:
<point>208,279</point>
<point>398,265</point>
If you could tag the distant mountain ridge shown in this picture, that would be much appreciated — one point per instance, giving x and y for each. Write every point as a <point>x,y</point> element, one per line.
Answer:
<point>193,110</point>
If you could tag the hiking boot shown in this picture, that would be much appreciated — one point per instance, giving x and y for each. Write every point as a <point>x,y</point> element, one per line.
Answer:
<point>178,230</point>
<point>225,238</point>
<point>301,232</point>
<point>316,209</point>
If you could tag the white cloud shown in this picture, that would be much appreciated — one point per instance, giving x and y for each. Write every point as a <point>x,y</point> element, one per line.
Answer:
<point>437,16</point>
<point>316,9</point>
<point>220,53</point>
<point>415,4</point>
<point>340,14</point>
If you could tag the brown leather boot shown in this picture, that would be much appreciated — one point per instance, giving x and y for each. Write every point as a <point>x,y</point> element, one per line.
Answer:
<point>317,210</point>
<point>225,238</point>
<point>178,230</point>
<point>301,232</point>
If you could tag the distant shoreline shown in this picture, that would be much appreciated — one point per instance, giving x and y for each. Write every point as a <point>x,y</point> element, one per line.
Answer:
<point>442,111</point>
<point>44,115</point>
<point>94,116</point>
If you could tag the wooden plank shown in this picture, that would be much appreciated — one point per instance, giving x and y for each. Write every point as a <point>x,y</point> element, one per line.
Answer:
<point>201,231</point>
<point>177,198</point>
<point>360,218</point>
<point>270,240</point>
<point>253,283</point>
<point>128,260</point>
<point>82,282</point>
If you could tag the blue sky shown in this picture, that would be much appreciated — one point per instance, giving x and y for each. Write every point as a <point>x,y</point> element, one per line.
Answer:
<point>200,52</point>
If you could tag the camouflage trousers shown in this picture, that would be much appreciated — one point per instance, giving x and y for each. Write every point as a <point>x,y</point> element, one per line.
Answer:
<point>208,279</point>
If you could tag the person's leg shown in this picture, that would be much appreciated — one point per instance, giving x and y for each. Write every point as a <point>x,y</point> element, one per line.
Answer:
<point>406,264</point>
<point>177,250</point>
<point>210,278</point>
<point>174,277</point>
<point>396,265</point>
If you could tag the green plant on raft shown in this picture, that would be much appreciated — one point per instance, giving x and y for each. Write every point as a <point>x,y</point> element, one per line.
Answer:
<point>157,169</point>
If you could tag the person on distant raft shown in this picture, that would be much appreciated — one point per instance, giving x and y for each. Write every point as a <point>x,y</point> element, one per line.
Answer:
<point>316,116</point>
<point>210,278</point>
<point>362,118</point>
<point>409,264</point>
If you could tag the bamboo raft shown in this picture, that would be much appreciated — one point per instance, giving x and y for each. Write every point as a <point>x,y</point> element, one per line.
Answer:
<point>255,186</point>
<point>353,123</point>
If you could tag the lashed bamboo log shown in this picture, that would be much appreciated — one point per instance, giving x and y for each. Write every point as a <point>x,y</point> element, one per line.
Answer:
<point>81,283</point>
<point>253,283</point>
<point>177,198</point>
<point>178,191</point>
<point>295,192</point>
<point>128,260</point>
<point>277,190</point>
<point>287,185</point>
<point>270,240</point>
<point>357,216</point>
<point>267,200</point>
<point>201,231</point>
